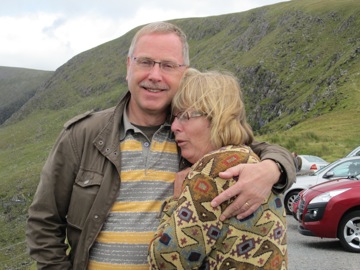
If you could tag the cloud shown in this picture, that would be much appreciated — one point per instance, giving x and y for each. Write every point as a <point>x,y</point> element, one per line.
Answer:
<point>46,36</point>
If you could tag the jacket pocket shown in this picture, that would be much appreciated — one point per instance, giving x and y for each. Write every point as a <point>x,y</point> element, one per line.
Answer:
<point>85,189</point>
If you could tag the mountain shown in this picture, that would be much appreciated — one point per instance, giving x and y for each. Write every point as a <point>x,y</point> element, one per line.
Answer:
<point>17,86</point>
<point>297,62</point>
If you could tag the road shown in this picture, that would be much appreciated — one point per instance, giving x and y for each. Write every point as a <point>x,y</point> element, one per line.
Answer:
<point>313,253</point>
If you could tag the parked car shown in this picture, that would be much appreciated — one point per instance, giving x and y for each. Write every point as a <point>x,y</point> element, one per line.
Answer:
<point>295,204</point>
<point>311,163</point>
<point>332,210</point>
<point>343,167</point>
<point>355,152</point>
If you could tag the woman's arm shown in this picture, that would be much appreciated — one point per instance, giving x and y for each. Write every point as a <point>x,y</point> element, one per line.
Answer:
<point>276,172</point>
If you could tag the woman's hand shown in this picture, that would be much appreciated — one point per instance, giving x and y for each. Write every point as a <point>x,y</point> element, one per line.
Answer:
<point>252,188</point>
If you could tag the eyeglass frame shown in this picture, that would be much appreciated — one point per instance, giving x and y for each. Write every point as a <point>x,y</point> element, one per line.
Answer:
<point>152,62</point>
<point>183,116</point>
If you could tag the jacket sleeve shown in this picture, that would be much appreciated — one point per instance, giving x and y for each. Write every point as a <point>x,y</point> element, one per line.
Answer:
<point>46,224</point>
<point>182,238</point>
<point>283,157</point>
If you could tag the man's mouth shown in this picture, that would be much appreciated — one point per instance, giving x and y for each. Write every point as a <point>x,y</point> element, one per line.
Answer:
<point>154,90</point>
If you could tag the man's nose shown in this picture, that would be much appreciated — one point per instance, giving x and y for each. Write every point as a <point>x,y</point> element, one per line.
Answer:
<point>155,72</point>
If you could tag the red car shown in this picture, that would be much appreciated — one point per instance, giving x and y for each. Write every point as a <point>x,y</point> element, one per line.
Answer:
<point>295,204</point>
<point>332,210</point>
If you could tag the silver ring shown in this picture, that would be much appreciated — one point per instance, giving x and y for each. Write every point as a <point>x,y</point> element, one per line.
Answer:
<point>247,204</point>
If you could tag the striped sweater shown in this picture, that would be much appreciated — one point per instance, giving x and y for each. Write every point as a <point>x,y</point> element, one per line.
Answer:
<point>148,172</point>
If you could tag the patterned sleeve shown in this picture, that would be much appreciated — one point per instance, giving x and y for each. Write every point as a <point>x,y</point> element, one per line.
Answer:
<point>190,230</point>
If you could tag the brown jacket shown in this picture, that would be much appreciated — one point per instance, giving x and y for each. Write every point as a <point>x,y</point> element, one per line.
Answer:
<point>79,183</point>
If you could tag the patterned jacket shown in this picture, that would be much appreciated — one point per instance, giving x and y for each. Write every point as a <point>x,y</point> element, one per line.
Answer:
<point>191,236</point>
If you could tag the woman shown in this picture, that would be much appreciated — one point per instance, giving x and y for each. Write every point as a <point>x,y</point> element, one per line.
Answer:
<point>211,129</point>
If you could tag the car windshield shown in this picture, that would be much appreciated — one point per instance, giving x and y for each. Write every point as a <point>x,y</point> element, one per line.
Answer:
<point>314,159</point>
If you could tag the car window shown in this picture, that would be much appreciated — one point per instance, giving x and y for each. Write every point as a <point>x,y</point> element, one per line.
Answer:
<point>347,168</point>
<point>322,169</point>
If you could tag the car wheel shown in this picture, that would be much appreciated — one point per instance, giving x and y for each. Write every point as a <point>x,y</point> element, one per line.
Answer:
<point>289,199</point>
<point>349,231</point>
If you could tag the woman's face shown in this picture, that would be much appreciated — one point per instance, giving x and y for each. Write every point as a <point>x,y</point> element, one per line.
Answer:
<point>192,134</point>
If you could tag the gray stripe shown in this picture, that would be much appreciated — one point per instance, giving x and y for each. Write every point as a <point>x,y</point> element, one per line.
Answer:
<point>131,222</point>
<point>119,254</point>
<point>164,162</point>
<point>167,162</point>
<point>145,191</point>
<point>163,136</point>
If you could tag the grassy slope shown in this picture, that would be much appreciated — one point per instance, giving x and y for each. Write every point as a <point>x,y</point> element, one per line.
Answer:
<point>17,86</point>
<point>15,82</point>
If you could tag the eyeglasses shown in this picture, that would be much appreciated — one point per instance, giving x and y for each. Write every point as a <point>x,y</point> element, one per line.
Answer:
<point>148,63</point>
<point>185,116</point>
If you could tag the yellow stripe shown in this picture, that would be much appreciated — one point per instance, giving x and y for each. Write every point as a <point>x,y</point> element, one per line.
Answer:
<point>151,206</point>
<point>164,147</point>
<point>125,237</point>
<point>105,266</point>
<point>131,145</point>
<point>138,175</point>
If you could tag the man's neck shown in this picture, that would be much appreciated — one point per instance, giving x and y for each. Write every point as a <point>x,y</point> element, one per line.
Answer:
<point>145,119</point>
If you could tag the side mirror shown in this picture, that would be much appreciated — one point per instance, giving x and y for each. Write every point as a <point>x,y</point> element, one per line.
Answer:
<point>329,174</point>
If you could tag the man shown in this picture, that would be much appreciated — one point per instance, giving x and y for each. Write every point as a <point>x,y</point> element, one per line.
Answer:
<point>104,181</point>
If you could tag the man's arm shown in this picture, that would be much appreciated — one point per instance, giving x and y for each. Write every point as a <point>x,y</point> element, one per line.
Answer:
<point>276,172</point>
<point>46,225</point>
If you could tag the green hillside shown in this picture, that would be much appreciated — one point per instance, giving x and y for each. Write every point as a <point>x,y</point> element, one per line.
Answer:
<point>298,64</point>
<point>17,86</point>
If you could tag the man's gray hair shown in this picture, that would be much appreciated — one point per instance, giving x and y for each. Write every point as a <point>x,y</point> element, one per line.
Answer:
<point>162,27</point>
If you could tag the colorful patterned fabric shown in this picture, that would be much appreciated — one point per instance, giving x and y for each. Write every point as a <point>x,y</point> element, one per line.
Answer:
<point>191,236</point>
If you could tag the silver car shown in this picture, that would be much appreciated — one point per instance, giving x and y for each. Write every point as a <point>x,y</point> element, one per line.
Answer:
<point>344,167</point>
<point>355,152</point>
<point>311,163</point>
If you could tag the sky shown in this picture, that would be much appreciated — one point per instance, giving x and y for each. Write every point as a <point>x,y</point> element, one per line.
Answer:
<point>45,34</point>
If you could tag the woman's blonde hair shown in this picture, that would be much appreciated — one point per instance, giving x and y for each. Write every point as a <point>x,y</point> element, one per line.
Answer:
<point>217,95</point>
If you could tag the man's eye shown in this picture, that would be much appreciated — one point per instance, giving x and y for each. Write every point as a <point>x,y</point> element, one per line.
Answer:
<point>145,62</point>
<point>168,65</point>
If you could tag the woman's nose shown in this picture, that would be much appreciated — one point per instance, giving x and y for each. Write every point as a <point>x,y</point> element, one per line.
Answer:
<point>175,126</point>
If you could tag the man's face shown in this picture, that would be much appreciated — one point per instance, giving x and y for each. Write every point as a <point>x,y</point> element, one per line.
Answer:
<point>152,89</point>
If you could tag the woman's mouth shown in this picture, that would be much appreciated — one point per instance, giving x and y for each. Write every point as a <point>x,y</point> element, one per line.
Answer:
<point>180,143</point>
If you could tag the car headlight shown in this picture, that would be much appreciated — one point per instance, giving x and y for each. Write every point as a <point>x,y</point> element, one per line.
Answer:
<point>325,197</point>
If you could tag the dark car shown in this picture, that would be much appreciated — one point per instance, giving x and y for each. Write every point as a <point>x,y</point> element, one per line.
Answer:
<point>332,210</point>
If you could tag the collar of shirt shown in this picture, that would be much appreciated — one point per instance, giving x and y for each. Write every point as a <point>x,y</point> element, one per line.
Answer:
<point>127,126</point>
